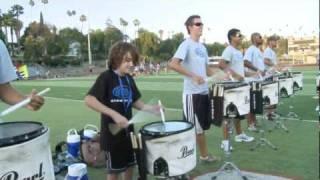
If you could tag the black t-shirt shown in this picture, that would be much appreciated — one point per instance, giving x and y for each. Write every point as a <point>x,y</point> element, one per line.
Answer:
<point>118,93</point>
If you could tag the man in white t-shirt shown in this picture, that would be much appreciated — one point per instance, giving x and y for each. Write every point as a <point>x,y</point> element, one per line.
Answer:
<point>232,63</point>
<point>271,64</point>
<point>7,74</point>
<point>253,60</point>
<point>269,55</point>
<point>191,60</point>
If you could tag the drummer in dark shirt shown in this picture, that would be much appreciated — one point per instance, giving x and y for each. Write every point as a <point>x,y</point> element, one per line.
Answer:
<point>113,95</point>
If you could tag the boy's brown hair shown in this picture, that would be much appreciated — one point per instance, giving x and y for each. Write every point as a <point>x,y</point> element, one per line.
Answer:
<point>117,53</point>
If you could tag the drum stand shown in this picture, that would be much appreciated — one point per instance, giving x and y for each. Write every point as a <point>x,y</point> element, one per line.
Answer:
<point>262,141</point>
<point>279,118</point>
<point>228,166</point>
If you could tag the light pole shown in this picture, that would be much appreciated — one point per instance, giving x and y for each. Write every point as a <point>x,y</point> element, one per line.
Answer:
<point>89,45</point>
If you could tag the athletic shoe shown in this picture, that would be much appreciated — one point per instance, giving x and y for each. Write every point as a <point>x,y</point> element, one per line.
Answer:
<point>243,138</point>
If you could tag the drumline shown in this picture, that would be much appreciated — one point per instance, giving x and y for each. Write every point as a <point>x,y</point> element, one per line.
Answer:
<point>169,149</point>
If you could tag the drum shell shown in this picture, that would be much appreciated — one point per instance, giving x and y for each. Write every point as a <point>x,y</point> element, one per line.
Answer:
<point>298,79</point>
<point>287,84</point>
<point>240,97</point>
<point>177,149</point>
<point>31,158</point>
<point>271,90</point>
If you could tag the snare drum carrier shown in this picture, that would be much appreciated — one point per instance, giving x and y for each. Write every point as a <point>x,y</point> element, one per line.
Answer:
<point>228,98</point>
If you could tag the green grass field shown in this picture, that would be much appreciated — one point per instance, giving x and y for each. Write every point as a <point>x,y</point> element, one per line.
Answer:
<point>297,157</point>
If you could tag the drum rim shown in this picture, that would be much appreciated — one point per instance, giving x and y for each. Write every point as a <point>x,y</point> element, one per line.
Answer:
<point>18,139</point>
<point>239,84</point>
<point>159,134</point>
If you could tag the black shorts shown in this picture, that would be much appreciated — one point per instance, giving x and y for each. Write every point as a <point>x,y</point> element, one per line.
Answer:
<point>120,156</point>
<point>196,110</point>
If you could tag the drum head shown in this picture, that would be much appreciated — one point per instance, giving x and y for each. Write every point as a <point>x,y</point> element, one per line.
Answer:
<point>17,132</point>
<point>168,128</point>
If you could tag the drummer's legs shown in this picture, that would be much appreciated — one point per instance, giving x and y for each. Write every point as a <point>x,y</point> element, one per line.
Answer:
<point>252,121</point>
<point>202,144</point>
<point>128,174</point>
<point>237,125</point>
<point>112,177</point>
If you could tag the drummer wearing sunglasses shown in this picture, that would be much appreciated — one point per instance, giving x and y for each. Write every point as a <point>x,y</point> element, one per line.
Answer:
<point>113,95</point>
<point>253,60</point>
<point>8,94</point>
<point>232,63</point>
<point>191,60</point>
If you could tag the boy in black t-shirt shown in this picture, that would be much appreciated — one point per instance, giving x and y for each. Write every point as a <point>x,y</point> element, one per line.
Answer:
<point>113,95</point>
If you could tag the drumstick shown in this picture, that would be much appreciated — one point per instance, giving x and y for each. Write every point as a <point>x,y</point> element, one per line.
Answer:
<point>140,141</point>
<point>133,140</point>
<point>22,103</point>
<point>161,112</point>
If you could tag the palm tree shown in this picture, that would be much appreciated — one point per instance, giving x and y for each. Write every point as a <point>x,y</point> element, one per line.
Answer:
<point>83,18</point>
<point>16,11</point>
<point>6,18</point>
<point>17,26</point>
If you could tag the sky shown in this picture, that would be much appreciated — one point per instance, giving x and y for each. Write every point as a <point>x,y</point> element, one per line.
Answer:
<point>284,17</point>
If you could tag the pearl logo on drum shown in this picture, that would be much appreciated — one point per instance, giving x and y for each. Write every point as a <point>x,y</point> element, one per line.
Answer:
<point>13,175</point>
<point>186,152</point>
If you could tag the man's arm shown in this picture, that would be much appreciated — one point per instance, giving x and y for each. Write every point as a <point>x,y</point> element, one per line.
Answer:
<point>225,67</point>
<point>93,103</point>
<point>140,105</point>
<point>11,96</point>
<point>249,65</point>
<point>175,64</point>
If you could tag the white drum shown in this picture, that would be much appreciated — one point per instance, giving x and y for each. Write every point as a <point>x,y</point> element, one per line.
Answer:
<point>238,94</point>
<point>170,148</point>
<point>285,86</point>
<point>270,92</point>
<point>25,151</point>
<point>297,80</point>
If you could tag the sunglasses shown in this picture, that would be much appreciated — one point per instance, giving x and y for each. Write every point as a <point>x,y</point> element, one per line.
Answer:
<point>198,24</point>
<point>238,35</point>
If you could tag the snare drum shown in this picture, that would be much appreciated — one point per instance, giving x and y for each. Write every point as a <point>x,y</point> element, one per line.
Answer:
<point>170,148</point>
<point>285,86</point>
<point>25,151</point>
<point>297,80</point>
<point>270,92</point>
<point>236,98</point>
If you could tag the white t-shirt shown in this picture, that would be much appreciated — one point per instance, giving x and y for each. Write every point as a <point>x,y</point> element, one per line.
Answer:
<point>271,55</point>
<point>7,72</point>
<point>255,56</point>
<point>235,59</point>
<point>194,58</point>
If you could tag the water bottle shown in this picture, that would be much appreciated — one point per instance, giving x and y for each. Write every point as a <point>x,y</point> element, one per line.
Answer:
<point>77,171</point>
<point>90,131</point>
<point>73,143</point>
